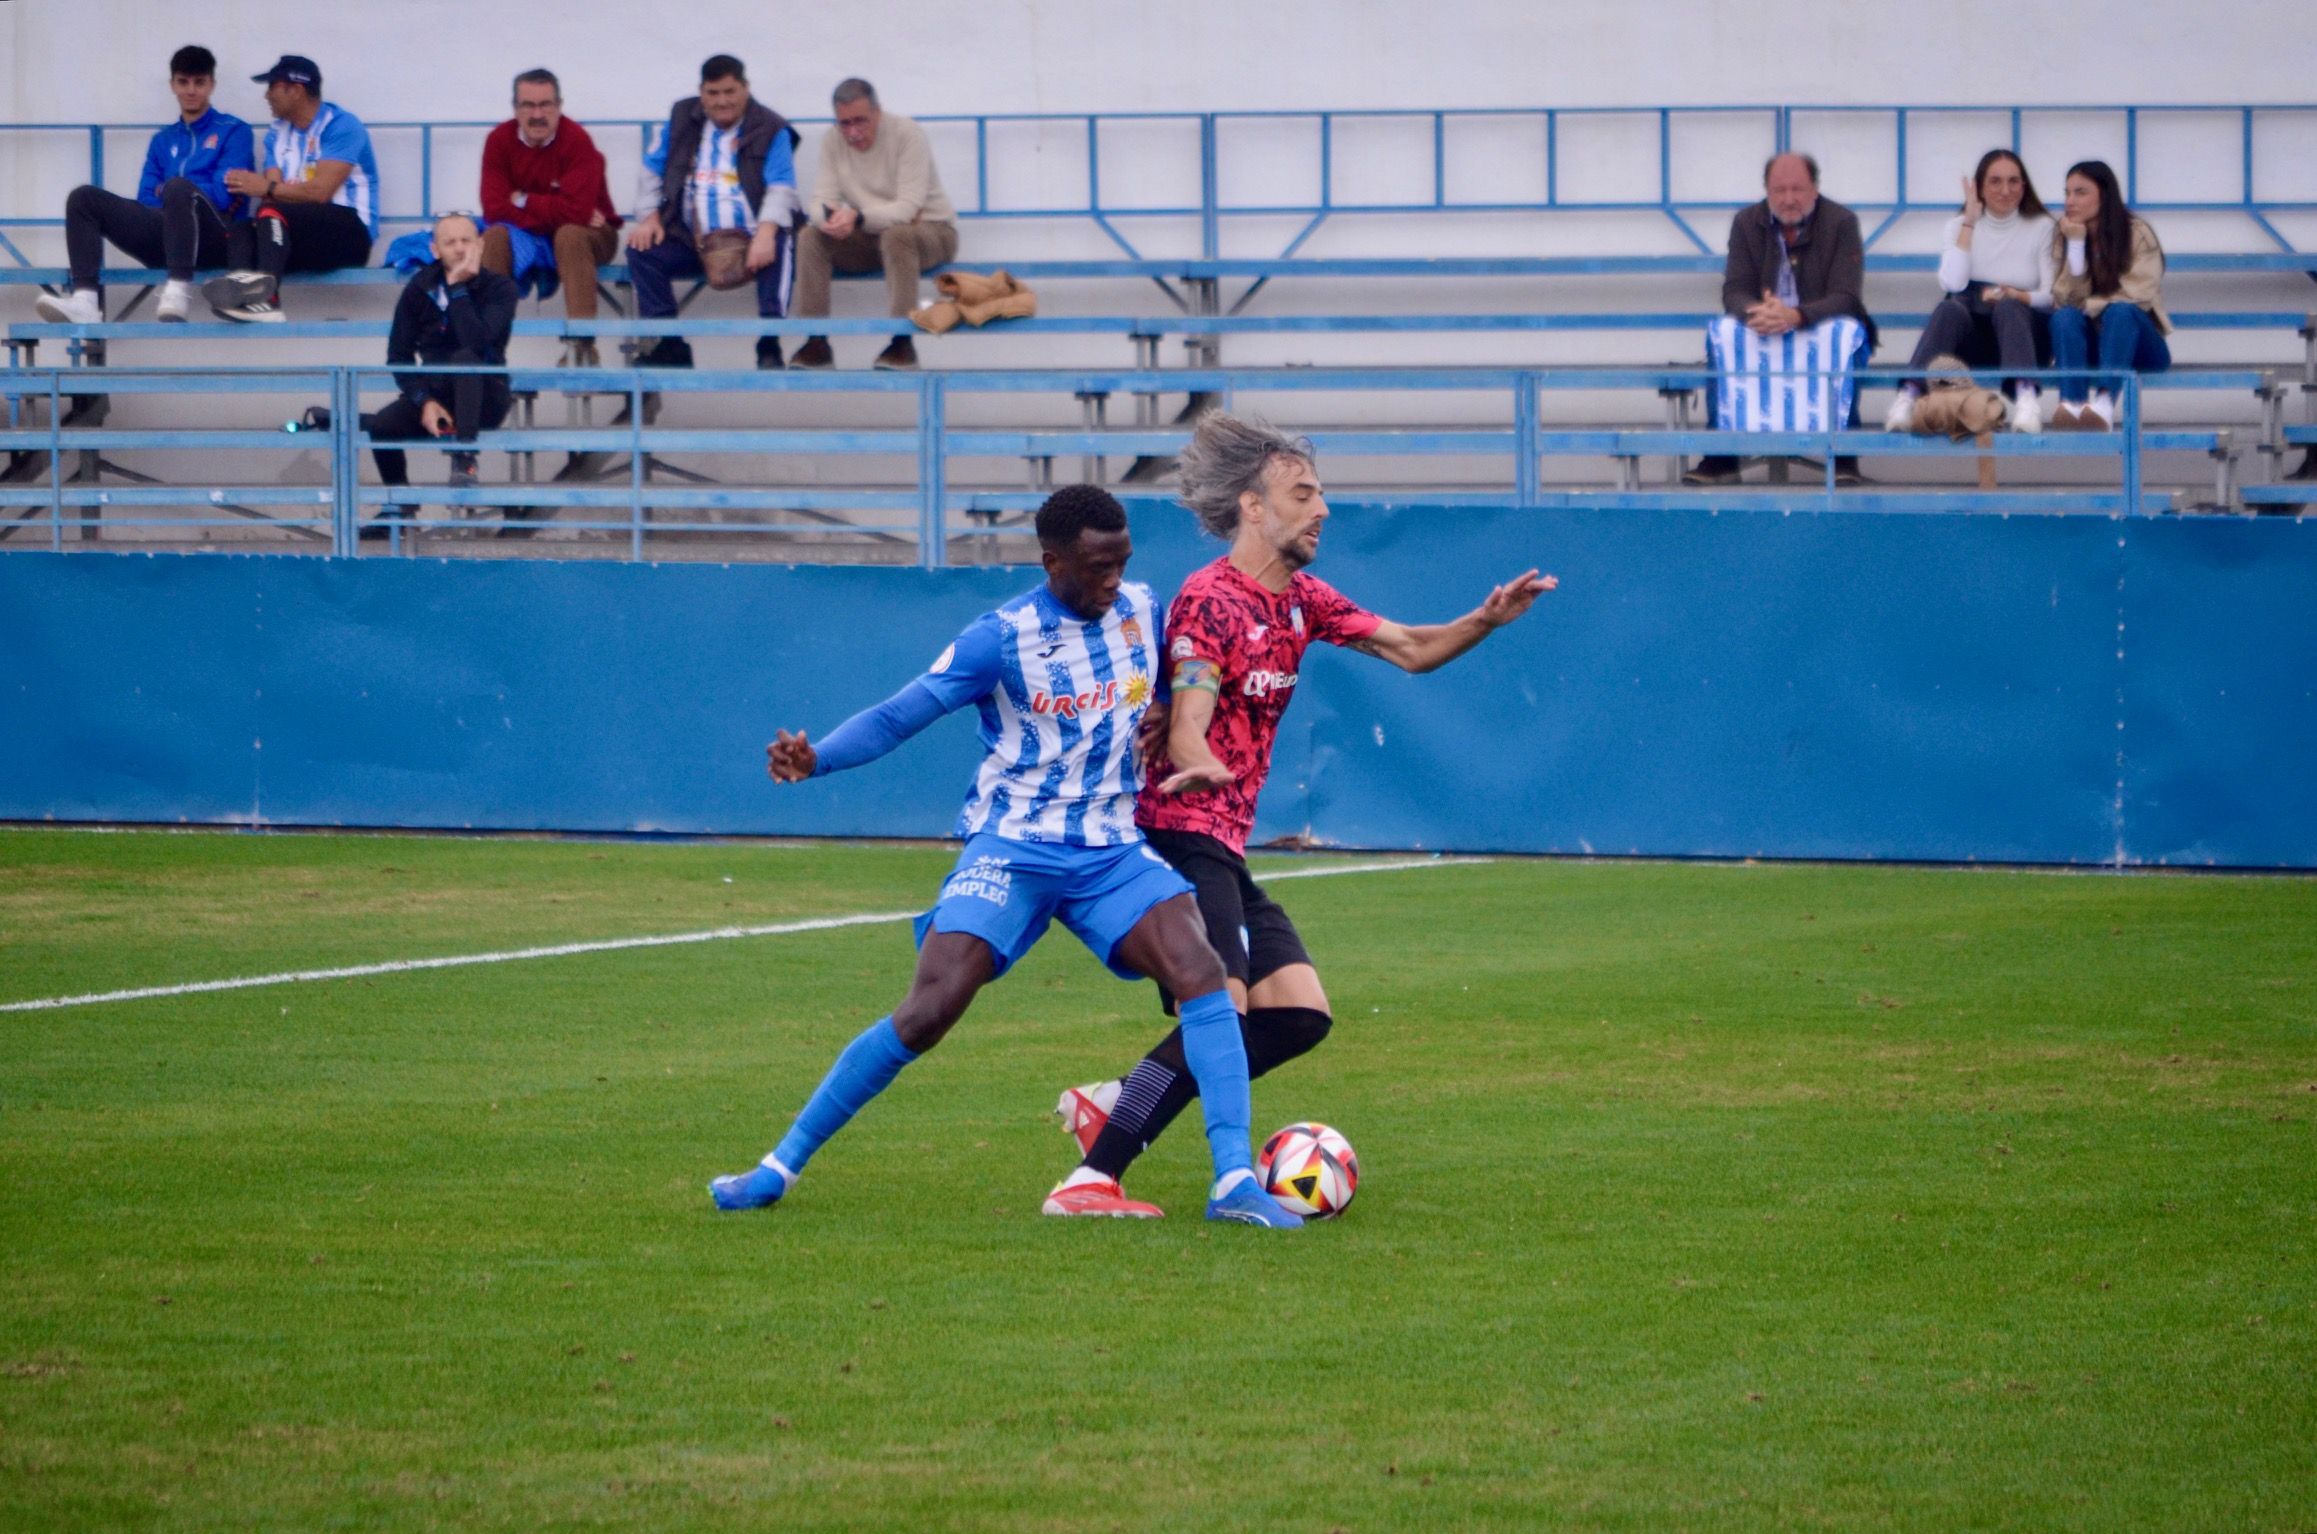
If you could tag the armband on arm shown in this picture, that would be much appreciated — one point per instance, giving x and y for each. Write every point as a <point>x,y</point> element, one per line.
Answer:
<point>1195,675</point>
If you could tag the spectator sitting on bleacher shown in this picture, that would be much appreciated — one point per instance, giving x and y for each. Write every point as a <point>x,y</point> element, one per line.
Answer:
<point>179,217</point>
<point>453,313</point>
<point>315,196</point>
<point>717,200</point>
<point>1796,260</point>
<point>878,205</point>
<point>543,174</point>
<point>1996,265</point>
<point>2107,295</point>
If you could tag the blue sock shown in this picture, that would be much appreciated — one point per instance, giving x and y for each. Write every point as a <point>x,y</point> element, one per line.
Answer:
<point>866,1067</point>
<point>1217,1056</point>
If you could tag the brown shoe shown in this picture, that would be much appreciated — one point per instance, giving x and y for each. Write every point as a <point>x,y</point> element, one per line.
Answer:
<point>814,354</point>
<point>901,354</point>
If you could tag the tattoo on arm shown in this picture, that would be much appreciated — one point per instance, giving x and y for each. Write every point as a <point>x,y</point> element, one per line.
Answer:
<point>1195,675</point>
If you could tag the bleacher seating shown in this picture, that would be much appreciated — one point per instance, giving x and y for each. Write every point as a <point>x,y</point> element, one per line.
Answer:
<point>2226,410</point>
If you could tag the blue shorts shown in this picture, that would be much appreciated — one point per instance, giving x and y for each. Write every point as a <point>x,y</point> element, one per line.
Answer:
<point>1005,892</point>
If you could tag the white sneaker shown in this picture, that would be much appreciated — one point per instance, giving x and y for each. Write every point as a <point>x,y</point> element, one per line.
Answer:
<point>175,302</point>
<point>1902,412</point>
<point>80,307</point>
<point>2027,411</point>
<point>2099,412</point>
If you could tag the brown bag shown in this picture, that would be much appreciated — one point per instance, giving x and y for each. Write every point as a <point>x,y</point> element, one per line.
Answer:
<point>1954,405</point>
<point>724,257</point>
<point>978,299</point>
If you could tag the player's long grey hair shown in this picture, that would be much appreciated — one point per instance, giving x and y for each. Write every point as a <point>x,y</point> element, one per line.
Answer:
<point>1227,458</point>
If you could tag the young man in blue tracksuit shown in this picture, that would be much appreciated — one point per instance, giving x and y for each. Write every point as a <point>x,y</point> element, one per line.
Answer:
<point>179,217</point>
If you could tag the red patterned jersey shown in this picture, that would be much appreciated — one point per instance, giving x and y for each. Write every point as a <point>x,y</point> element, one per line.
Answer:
<point>1255,639</point>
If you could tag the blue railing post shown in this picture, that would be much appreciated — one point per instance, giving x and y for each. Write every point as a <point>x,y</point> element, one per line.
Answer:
<point>426,171</point>
<point>932,471</point>
<point>96,155</point>
<point>1899,193</point>
<point>55,465</point>
<point>345,470</point>
<point>1210,224</point>
<point>1526,479</point>
<point>2131,407</point>
<point>635,467</point>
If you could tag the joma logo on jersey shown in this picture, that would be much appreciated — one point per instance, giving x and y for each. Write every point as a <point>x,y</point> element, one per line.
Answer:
<point>1263,683</point>
<point>1133,691</point>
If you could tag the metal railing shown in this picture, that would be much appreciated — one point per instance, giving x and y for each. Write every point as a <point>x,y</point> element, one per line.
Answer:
<point>71,497</point>
<point>1210,145</point>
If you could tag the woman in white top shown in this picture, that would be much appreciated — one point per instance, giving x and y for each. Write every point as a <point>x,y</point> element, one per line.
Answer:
<point>1997,266</point>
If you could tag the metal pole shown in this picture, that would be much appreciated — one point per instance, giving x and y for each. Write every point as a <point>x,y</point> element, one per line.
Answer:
<point>932,471</point>
<point>2131,444</point>
<point>635,468</point>
<point>1524,429</point>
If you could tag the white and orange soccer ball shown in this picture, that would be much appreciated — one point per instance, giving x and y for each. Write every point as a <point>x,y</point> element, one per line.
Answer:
<point>1310,1169</point>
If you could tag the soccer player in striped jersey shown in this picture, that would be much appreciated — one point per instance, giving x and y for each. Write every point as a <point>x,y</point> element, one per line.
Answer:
<point>1061,678</point>
<point>1235,638</point>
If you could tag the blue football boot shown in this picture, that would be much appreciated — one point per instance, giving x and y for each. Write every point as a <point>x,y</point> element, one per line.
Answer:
<point>1244,1202</point>
<point>755,1188</point>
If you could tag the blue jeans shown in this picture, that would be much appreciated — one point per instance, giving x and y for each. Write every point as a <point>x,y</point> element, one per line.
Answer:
<point>2126,336</point>
<point>655,273</point>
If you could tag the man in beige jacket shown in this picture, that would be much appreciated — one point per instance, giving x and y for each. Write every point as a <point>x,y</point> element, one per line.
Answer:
<point>877,205</point>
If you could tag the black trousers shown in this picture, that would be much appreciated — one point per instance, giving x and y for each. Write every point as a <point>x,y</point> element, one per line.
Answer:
<point>299,237</point>
<point>185,232</point>
<point>2008,334</point>
<point>477,402</point>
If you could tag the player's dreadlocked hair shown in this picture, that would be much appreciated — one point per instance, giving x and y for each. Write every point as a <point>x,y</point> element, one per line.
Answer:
<point>1073,509</point>
<point>1228,456</point>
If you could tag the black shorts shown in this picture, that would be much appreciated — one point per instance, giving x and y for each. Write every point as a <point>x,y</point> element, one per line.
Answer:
<point>1253,936</point>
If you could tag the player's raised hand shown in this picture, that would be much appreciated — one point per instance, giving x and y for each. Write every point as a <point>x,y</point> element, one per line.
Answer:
<point>1199,779</point>
<point>790,758</point>
<point>1515,597</point>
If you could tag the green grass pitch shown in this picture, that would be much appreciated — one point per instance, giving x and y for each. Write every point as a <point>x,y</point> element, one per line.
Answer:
<point>1695,1197</point>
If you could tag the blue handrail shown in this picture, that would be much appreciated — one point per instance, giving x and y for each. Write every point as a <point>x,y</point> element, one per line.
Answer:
<point>1103,205</point>
<point>921,513</point>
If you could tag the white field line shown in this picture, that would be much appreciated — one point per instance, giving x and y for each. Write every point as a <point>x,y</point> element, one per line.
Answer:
<point>610,945</point>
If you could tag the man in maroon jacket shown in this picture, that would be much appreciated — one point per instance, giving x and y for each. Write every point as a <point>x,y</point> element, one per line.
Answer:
<point>543,174</point>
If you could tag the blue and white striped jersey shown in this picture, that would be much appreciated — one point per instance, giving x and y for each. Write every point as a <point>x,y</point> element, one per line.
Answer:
<point>334,134</point>
<point>714,196</point>
<point>1060,698</point>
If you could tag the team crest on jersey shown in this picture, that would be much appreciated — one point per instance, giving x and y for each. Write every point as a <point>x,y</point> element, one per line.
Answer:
<point>209,142</point>
<point>1132,632</point>
<point>941,661</point>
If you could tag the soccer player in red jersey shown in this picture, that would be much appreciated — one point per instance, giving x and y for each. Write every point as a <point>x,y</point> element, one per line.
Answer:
<point>1236,634</point>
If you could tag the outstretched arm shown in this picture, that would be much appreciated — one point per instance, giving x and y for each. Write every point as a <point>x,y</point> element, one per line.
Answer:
<point>1429,646</point>
<point>868,735</point>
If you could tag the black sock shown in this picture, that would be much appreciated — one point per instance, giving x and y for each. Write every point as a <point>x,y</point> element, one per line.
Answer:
<point>1161,1086</point>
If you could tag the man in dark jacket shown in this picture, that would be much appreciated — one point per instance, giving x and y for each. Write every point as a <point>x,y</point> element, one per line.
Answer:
<point>451,314</point>
<point>1796,260</point>
<point>721,173</point>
